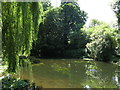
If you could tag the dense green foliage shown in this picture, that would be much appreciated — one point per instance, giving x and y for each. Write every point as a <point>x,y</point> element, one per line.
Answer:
<point>102,44</point>
<point>116,9</point>
<point>60,35</point>
<point>20,26</point>
<point>9,83</point>
<point>60,32</point>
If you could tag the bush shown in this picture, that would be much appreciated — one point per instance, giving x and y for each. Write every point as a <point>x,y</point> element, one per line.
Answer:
<point>9,83</point>
<point>101,49</point>
<point>102,45</point>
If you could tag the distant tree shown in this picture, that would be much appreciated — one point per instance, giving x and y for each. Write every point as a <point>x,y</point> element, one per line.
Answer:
<point>69,1</point>
<point>73,20</point>
<point>46,5</point>
<point>116,9</point>
<point>95,22</point>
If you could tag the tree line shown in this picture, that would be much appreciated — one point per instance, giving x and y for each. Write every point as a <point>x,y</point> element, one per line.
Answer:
<point>62,35</point>
<point>38,29</point>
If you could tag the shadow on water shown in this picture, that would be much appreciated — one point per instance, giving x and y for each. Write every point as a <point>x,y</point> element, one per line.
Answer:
<point>72,74</point>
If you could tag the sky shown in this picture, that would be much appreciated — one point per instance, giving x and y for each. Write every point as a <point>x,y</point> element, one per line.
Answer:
<point>96,9</point>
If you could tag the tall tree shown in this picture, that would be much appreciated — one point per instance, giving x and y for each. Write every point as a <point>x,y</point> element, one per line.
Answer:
<point>58,29</point>
<point>73,20</point>
<point>20,25</point>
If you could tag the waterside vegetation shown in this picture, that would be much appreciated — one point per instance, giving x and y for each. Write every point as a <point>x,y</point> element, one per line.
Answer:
<point>38,30</point>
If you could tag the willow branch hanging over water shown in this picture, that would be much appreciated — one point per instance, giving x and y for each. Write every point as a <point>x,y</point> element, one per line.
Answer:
<point>20,27</point>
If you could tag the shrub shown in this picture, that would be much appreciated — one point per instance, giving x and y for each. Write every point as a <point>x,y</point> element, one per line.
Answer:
<point>102,45</point>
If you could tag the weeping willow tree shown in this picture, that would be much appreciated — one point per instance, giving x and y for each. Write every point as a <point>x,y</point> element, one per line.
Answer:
<point>20,27</point>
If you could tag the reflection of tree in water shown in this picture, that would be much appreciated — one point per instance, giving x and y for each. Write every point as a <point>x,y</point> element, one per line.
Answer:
<point>60,68</point>
<point>91,69</point>
<point>92,74</point>
<point>25,69</point>
<point>95,77</point>
<point>71,71</point>
<point>116,78</point>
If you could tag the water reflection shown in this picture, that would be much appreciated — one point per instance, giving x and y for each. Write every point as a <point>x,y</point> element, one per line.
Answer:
<point>91,69</point>
<point>116,78</point>
<point>72,74</point>
<point>97,76</point>
<point>25,67</point>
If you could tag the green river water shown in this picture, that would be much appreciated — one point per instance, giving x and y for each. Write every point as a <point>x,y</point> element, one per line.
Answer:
<point>66,73</point>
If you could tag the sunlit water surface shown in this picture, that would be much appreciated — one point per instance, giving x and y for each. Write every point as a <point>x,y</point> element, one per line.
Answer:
<point>72,74</point>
